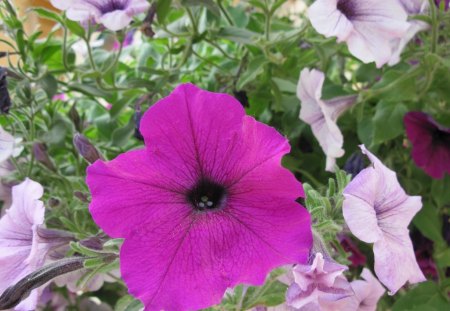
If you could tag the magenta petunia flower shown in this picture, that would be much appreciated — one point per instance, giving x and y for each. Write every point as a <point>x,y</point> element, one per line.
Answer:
<point>322,115</point>
<point>23,243</point>
<point>367,293</point>
<point>367,26</point>
<point>318,286</point>
<point>113,14</point>
<point>205,206</point>
<point>431,143</point>
<point>377,210</point>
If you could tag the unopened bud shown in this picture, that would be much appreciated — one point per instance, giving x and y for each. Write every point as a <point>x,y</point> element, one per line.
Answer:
<point>41,155</point>
<point>147,25</point>
<point>76,119</point>
<point>5,100</point>
<point>137,123</point>
<point>86,149</point>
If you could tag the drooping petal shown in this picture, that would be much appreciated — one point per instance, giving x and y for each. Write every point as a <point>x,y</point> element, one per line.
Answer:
<point>395,262</point>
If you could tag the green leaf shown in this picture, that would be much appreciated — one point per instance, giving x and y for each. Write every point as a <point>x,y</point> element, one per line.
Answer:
<point>255,68</point>
<point>87,89</point>
<point>42,12</point>
<point>121,135</point>
<point>76,28</point>
<point>128,303</point>
<point>162,9</point>
<point>388,121</point>
<point>439,191</point>
<point>426,296</point>
<point>209,4</point>
<point>429,223</point>
<point>396,86</point>
<point>236,34</point>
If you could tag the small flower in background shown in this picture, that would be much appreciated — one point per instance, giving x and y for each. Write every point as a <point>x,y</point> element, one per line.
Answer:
<point>412,7</point>
<point>128,40</point>
<point>446,3</point>
<point>354,164</point>
<point>322,115</point>
<point>113,14</point>
<point>356,257</point>
<point>377,210</point>
<point>367,293</point>
<point>24,241</point>
<point>205,206</point>
<point>318,286</point>
<point>431,143</point>
<point>60,96</point>
<point>367,26</point>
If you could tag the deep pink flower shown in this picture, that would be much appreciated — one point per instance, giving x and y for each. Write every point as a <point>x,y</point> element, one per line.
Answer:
<point>113,14</point>
<point>318,286</point>
<point>431,143</point>
<point>377,210</point>
<point>205,206</point>
<point>356,256</point>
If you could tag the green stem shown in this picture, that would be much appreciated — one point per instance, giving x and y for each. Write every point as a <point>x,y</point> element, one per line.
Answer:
<point>434,26</point>
<point>193,22</point>
<point>268,21</point>
<point>225,13</point>
<point>317,184</point>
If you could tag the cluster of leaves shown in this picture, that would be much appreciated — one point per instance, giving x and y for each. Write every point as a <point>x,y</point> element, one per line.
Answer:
<point>245,48</point>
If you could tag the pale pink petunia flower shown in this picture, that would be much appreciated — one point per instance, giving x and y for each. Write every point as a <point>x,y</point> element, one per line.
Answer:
<point>24,241</point>
<point>318,286</point>
<point>205,206</point>
<point>322,115</point>
<point>367,26</point>
<point>412,7</point>
<point>113,14</point>
<point>377,210</point>
<point>367,293</point>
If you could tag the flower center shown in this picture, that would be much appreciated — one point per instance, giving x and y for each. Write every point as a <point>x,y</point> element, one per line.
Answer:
<point>207,195</point>
<point>347,7</point>
<point>107,6</point>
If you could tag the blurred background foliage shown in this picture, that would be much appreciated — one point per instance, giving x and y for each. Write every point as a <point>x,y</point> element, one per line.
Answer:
<point>64,78</point>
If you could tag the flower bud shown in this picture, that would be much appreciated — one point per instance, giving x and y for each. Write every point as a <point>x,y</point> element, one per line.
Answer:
<point>137,123</point>
<point>86,149</point>
<point>41,155</point>
<point>5,100</point>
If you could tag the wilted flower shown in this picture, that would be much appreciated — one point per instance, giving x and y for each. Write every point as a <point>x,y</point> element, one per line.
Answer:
<point>318,286</point>
<point>367,293</point>
<point>322,115</point>
<point>86,149</point>
<point>205,206</point>
<point>431,143</point>
<point>41,155</point>
<point>113,14</point>
<point>377,210</point>
<point>367,26</point>
<point>412,7</point>
<point>24,241</point>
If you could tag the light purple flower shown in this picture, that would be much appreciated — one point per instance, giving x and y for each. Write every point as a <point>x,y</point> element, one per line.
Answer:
<point>322,115</point>
<point>189,204</point>
<point>113,14</point>
<point>367,26</point>
<point>318,286</point>
<point>431,143</point>
<point>9,146</point>
<point>377,210</point>
<point>367,293</point>
<point>412,7</point>
<point>23,249</point>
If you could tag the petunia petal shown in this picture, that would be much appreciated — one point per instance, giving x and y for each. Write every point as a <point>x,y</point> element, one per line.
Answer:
<point>115,20</point>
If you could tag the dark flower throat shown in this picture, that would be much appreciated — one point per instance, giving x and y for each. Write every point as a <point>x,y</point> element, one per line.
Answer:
<point>347,7</point>
<point>207,195</point>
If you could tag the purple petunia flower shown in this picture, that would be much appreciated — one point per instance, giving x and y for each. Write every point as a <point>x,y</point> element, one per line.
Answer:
<point>367,26</point>
<point>205,206</point>
<point>431,143</point>
<point>377,210</point>
<point>322,115</point>
<point>24,241</point>
<point>318,286</point>
<point>113,14</point>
